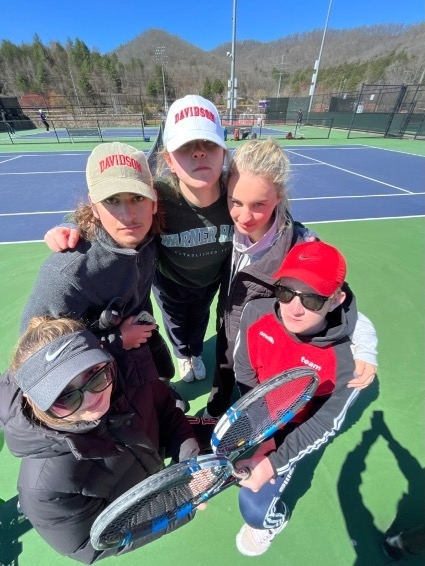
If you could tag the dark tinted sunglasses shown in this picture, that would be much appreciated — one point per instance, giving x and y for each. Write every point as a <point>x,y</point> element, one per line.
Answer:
<point>310,301</point>
<point>69,403</point>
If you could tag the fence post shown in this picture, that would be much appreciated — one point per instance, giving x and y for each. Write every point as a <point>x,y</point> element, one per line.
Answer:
<point>398,103</point>
<point>355,110</point>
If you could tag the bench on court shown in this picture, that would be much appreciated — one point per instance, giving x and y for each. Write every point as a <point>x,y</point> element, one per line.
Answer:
<point>244,131</point>
<point>84,133</point>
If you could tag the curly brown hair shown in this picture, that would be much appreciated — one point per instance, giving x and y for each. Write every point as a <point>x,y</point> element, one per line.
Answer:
<point>87,222</point>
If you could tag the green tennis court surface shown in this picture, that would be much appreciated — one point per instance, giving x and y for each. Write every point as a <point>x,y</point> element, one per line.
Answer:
<point>344,498</point>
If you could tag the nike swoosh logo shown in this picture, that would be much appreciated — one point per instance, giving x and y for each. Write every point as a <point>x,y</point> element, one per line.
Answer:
<point>50,356</point>
<point>308,257</point>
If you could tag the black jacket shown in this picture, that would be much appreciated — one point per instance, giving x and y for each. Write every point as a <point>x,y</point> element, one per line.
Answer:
<point>67,478</point>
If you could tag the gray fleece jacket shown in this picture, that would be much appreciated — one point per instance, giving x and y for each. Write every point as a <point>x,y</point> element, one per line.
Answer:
<point>80,283</point>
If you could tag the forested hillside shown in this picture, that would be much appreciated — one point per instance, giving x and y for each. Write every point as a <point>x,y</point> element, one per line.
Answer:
<point>391,54</point>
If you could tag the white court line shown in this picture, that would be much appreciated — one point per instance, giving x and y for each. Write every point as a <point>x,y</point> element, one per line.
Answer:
<point>21,242</point>
<point>395,151</point>
<point>351,148</point>
<point>11,159</point>
<point>291,199</point>
<point>47,154</point>
<point>362,219</point>
<point>304,222</point>
<point>34,213</point>
<point>358,196</point>
<point>40,173</point>
<point>288,149</point>
<point>352,173</point>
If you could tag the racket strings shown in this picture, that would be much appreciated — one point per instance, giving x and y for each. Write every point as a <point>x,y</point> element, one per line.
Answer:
<point>267,411</point>
<point>165,503</point>
<point>283,402</point>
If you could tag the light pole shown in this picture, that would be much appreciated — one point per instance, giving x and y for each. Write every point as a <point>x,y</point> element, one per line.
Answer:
<point>161,58</point>
<point>231,95</point>
<point>280,78</point>
<point>317,62</point>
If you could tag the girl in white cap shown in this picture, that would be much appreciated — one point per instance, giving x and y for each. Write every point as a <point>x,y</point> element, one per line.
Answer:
<point>197,242</point>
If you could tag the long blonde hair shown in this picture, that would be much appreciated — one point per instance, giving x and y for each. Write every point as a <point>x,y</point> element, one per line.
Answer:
<point>265,158</point>
<point>42,330</point>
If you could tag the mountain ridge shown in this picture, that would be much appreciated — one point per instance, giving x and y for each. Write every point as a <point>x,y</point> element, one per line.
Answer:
<point>259,64</point>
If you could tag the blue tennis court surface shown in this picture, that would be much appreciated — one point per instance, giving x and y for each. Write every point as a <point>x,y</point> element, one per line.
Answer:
<point>370,478</point>
<point>327,184</point>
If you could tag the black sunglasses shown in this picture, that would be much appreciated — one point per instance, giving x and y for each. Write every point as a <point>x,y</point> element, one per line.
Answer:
<point>310,301</point>
<point>69,403</point>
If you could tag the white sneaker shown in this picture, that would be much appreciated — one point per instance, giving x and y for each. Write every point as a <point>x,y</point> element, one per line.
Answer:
<point>253,542</point>
<point>185,369</point>
<point>198,368</point>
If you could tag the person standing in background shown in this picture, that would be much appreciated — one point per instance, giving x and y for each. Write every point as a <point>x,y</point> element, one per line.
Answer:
<point>299,117</point>
<point>44,121</point>
<point>9,126</point>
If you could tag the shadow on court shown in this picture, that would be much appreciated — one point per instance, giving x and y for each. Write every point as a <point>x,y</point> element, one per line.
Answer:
<point>359,520</point>
<point>12,526</point>
<point>303,475</point>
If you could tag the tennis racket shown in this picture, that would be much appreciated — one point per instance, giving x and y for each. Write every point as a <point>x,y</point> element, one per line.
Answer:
<point>161,501</point>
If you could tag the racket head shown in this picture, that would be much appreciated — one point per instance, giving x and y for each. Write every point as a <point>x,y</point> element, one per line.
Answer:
<point>262,411</point>
<point>155,503</point>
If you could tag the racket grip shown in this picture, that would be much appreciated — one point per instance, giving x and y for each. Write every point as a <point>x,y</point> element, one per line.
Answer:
<point>242,473</point>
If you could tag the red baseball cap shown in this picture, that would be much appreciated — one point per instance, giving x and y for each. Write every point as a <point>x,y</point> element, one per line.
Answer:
<point>317,264</point>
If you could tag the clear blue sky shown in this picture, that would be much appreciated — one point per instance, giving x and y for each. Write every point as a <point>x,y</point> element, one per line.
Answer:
<point>107,24</point>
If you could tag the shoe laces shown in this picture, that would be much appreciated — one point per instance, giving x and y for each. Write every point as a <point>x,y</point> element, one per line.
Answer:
<point>197,362</point>
<point>185,364</point>
<point>262,537</point>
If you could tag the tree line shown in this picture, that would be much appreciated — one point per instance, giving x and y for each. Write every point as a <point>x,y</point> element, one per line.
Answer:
<point>74,69</point>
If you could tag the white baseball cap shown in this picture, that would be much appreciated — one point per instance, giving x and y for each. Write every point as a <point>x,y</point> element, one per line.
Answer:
<point>192,118</point>
<point>116,167</point>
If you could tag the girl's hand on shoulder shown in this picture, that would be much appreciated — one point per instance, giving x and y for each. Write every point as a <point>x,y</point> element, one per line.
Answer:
<point>310,236</point>
<point>61,238</point>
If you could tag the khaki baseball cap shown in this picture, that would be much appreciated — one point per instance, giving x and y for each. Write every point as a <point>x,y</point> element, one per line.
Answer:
<point>116,167</point>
